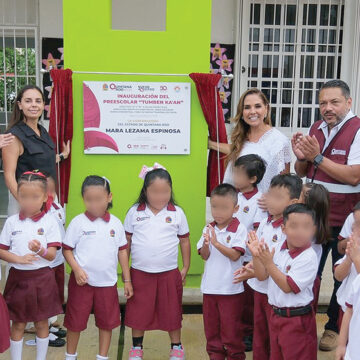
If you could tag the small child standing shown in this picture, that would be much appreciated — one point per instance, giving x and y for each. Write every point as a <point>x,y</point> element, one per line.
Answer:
<point>155,227</point>
<point>247,174</point>
<point>284,191</point>
<point>222,247</point>
<point>348,344</point>
<point>291,268</point>
<point>94,244</point>
<point>28,243</point>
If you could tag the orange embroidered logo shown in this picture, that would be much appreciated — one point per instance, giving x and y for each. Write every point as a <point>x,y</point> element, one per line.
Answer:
<point>40,231</point>
<point>168,219</point>
<point>246,209</point>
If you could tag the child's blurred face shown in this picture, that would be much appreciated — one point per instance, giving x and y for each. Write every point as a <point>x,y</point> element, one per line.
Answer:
<point>241,178</point>
<point>304,191</point>
<point>96,200</point>
<point>31,197</point>
<point>222,208</point>
<point>158,194</point>
<point>51,186</point>
<point>278,199</point>
<point>299,229</point>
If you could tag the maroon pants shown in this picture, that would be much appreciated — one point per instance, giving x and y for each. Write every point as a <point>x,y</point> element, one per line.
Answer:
<point>261,341</point>
<point>293,338</point>
<point>248,314</point>
<point>223,328</point>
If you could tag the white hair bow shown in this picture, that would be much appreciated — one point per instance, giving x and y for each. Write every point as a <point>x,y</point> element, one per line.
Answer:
<point>146,169</point>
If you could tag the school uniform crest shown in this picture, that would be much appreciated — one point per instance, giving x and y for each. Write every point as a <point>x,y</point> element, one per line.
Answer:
<point>112,233</point>
<point>274,238</point>
<point>168,219</point>
<point>246,209</point>
<point>288,268</point>
<point>228,239</point>
<point>40,231</point>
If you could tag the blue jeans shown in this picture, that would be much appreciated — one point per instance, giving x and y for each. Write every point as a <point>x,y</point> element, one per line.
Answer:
<point>333,308</point>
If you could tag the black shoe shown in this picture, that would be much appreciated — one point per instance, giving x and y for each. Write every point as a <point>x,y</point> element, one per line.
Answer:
<point>58,342</point>
<point>61,333</point>
<point>248,342</point>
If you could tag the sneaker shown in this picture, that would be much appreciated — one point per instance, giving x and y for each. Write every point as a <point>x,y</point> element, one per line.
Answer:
<point>328,341</point>
<point>177,353</point>
<point>136,353</point>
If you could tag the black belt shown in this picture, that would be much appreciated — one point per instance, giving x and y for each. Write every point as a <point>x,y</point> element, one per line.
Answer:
<point>288,312</point>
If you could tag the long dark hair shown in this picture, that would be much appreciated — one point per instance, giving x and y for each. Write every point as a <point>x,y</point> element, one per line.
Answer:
<point>95,180</point>
<point>317,198</point>
<point>150,177</point>
<point>17,114</point>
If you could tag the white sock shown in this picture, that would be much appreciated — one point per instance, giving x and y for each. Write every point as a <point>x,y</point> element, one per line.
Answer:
<point>70,356</point>
<point>16,349</point>
<point>42,345</point>
<point>99,357</point>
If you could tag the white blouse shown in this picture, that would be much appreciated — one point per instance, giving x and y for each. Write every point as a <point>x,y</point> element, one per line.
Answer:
<point>274,148</point>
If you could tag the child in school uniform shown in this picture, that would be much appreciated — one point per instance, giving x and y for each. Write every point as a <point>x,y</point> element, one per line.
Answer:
<point>155,228</point>
<point>247,174</point>
<point>222,246</point>
<point>316,197</point>
<point>284,190</point>
<point>347,268</point>
<point>291,268</point>
<point>28,242</point>
<point>94,244</point>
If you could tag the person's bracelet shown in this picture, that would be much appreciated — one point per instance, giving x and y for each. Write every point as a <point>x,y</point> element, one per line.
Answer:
<point>125,281</point>
<point>45,252</point>
<point>36,252</point>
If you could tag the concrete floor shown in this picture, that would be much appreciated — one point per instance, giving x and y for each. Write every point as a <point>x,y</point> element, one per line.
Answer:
<point>156,343</point>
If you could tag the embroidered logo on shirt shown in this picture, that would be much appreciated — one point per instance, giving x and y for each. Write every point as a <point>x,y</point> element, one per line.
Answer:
<point>40,231</point>
<point>288,268</point>
<point>93,232</point>
<point>246,209</point>
<point>16,232</point>
<point>338,152</point>
<point>275,238</point>
<point>112,233</point>
<point>168,219</point>
<point>142,218</point>
<point>228,239</point>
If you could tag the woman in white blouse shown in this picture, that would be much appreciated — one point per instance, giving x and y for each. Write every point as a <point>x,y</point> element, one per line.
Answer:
<point>253,134</point>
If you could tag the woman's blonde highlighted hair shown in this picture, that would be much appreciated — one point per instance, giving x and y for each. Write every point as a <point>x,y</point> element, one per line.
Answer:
<point>241,129</point>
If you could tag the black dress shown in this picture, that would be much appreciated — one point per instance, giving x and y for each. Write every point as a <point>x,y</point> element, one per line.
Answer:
<point>39,151</point>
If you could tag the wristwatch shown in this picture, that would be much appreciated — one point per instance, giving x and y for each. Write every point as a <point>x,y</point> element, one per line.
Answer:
<point>318,160</point>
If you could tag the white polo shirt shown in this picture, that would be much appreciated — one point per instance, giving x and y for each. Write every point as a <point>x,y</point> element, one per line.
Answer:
<point>155,238</point>
<point>346,229</point>
<point>18,231</point>
<point>219,269</point>
<point>59,214</point>
<point>272,234</point>
<point>96,243</point>
<point>353,301</point>
<point>249,213</point>
<point>300,267</point>
<point>345,288</point>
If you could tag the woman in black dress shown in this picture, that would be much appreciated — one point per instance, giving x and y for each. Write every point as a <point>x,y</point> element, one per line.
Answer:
<point>32,147</point>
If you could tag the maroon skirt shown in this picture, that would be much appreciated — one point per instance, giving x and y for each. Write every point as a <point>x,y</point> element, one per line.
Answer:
<point>4,326</point>
<point>157,301</point>
<point>32,295</point>
<point>60,280</point>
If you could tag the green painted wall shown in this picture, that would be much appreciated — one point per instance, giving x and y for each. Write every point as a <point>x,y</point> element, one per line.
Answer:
<point>91,45</point>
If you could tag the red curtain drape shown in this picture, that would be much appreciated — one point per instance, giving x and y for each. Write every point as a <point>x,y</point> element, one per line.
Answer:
<point>61,124</point>
<point>206,86</point>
